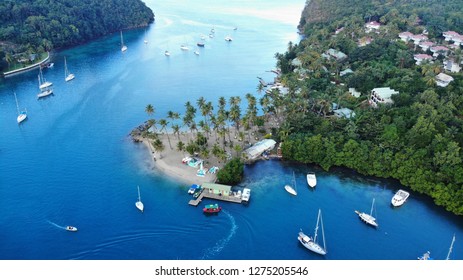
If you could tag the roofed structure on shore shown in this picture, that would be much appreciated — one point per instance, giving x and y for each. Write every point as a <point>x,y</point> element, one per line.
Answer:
<point>381,96</point>
<point>258,148</point>
<point>217,188</point>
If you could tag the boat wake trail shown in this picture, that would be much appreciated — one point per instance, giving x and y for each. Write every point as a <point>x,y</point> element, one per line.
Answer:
<point>210,252</point>
<point>56,225</point>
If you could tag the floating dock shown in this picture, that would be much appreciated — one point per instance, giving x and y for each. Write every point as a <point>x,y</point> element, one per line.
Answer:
<point>219,192</point>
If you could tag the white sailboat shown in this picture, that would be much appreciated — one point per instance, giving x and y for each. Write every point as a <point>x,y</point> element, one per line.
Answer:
<point>290,189</point>
<point>139,204</point>
<point>311,243</point>
<point>123,47</point>
<point>368,218</point>
<point>22,115</point>
<point>67,75</point>
<point>311,179</point>
<point>44,86</point>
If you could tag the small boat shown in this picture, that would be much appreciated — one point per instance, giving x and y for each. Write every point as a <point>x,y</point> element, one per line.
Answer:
<point>212,208</point>
<point>43,84</point>
<point>228,39</point>
<point>311,243</point>
<point>193,188</point>
<point>290,189</point>
<point>368,218</point>
<point>184,48</point>
<point>22,115</point>
<point>71,228</point>
<point>67,75</point>
<point>139,204</point>
<point>311,179</point>
<point>123,47</point>
<point>196,52</point>
<point>425,257</point>
<point>200,44</point>
<point>399,198</point>
<point>167,53</point>
<point>246,195</point>
<point>50,65</point>
<point>44,93</point>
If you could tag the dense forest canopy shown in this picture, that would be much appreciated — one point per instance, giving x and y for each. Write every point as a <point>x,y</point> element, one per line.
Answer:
<point>417,138</point>
<point>41,25</point>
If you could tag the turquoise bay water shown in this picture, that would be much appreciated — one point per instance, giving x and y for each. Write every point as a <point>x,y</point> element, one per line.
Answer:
<point>72,163</point>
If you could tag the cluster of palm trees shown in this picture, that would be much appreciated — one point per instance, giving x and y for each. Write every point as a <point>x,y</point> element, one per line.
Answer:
<point>218,132</point>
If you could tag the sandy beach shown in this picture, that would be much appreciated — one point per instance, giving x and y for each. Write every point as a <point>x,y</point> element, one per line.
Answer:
<point>169,161</point>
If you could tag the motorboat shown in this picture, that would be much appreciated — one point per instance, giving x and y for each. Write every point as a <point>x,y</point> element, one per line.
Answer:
<point>212,208</point>
<point>193,188</point>
<point>200,44</point>
<point>311,179</point>
<point>246,195</point>
<point>399,198</point>
<point>71,228</point>
<point>228,39</point>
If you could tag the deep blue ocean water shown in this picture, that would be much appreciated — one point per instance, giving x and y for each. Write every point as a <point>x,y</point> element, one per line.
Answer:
<point>72,163</point>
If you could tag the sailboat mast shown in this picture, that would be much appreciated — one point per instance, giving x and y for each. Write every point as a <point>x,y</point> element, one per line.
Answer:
<point>451,247</point>
<point>323,231</point>
<point>372,205</point>
<point>316,228</point>
<point>138,187</point>
<point>17,105</point>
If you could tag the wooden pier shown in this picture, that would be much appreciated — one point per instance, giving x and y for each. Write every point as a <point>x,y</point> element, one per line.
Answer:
<point>207,194</point>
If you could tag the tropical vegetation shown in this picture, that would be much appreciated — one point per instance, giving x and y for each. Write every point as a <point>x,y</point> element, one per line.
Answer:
<point>36,26</point>
<point>417,139</point>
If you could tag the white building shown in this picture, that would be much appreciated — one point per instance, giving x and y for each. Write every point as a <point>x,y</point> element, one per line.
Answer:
<point>425,45</point>
<point>448,35</point>
<point>443,79</point>
<point>381,96</point>
<point>451,66</point>
<point>405,36</point>
<point>344,113</point>
<point>372,26</point>
<point>422,57</point>
<point>258,148</point>
<point>354,93</point>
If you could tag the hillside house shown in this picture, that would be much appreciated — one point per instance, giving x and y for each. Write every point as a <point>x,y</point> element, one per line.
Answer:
<point>422,57</point>
<point>372,26</point>
<point>381,96</point>
<point>443,79</point>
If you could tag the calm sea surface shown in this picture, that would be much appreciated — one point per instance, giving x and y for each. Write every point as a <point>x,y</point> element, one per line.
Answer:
<point>71,162</point>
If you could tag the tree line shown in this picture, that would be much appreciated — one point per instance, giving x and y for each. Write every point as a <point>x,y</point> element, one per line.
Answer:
<point>36,26</point>
<point>418,138</point>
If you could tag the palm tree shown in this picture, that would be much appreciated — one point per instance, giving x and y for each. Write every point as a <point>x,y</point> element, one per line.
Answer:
<point>163,123</point>
<point>176,131</point>
<point>149,109</point>
<point>180,146</point>
<point>158,146</point>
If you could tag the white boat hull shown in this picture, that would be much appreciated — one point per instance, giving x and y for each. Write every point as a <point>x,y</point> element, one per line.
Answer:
<point>70,77</point>
<point>124,48</point>
<point>399,198</point>
<point>311,180</point>
<point>71,228</point>
<point>289,189</point>
<point>21,118</point>
<point>367,218</point>
<point>139,205</point>
<point>308,243</point>
<point>45,93</point>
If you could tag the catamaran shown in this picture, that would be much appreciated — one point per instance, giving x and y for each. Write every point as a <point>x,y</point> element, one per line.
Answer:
<point>368,218</point>
<point>139,204</point>
<point>311,243</point>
